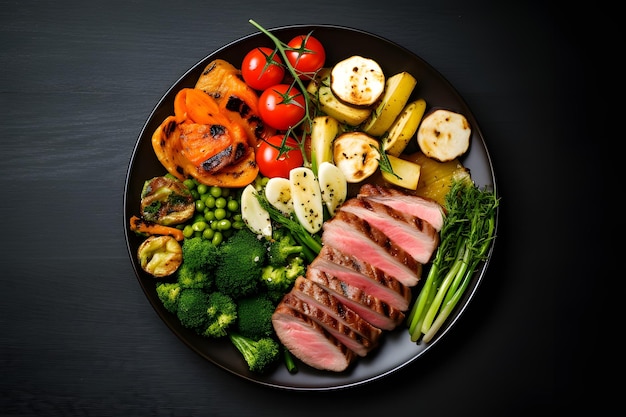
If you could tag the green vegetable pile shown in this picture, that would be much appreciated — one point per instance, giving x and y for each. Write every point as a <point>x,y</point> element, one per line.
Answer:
<point>231,288</point>
<point>466,235</point>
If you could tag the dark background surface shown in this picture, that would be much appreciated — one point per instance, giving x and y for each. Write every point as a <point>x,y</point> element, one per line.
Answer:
<point>78,336</point>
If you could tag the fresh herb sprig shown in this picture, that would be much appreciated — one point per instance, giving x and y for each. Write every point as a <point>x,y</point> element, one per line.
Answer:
<point>469,228</point>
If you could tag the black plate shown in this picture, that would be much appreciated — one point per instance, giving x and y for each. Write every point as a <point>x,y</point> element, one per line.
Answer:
<point>396,350</point>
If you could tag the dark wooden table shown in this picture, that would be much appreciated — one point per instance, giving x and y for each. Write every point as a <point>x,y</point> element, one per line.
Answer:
<point>78,336</point>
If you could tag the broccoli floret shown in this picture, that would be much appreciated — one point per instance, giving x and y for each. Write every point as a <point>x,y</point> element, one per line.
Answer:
<point>243,255</point>
<point>258,354</point>
<point>168,293</point>
<point>221,313</point>
<point>194,278</point>
<point>279,279</point>
<point>282,248</point>
<point>200,254</point>
<point>254,316</point>
<point>192,308</point>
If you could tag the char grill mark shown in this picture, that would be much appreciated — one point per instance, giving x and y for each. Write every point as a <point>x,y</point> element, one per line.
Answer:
<point>309,342</point>
<point>353,236</point>
<point>344,334</point>
<point>372,309</point>
<point>313,294</point>
<point>360,284</point>
<point>424,208</point>
<point>364,276</point>
<point>416,236</point>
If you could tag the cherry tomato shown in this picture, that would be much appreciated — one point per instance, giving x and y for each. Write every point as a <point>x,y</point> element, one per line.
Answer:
<point>257,73</point>
<point>281,106</point>
<point>270,164</point>
<point>306,59</point>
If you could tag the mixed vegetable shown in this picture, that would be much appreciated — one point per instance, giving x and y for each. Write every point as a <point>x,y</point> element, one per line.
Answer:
<point>257,156</point>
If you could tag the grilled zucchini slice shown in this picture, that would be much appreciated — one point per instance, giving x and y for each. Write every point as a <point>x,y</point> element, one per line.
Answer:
<point>357,81</point>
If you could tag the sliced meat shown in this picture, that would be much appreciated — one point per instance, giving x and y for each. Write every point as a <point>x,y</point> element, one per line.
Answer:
<point>421,207</point>
<point>309,342</point>
<point>354,236</point>
<point>363,275</point>
<point>319,296</point>
<point>344,334</point>
<point>377,312</point>
<point>416,236</point>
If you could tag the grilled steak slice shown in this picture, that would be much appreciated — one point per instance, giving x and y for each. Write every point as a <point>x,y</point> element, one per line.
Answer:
<point>363,275</point>
<point>414,235</point>
<point>336,328</point>
<point>377,312</point>
<point>316,295</point>
<point>354,236</point>
<point>308,341</point>
<point>421,207</point>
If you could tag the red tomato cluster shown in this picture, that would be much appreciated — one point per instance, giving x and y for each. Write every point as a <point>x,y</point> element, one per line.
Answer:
<point>281,103</point>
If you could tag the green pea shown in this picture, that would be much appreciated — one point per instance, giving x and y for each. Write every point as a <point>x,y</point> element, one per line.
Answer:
<point>209,216</point>
<point>220,213</point>
<point>220,202</point>
<point>189,184</point>
<point>202,188</point>
<point>188,231</point>
<point>225,192</point>
<point>215,191</point>
<point>233,205</point>
<point>223,224</point>
<point>209,201</point>
<point>199,205</point>
<point>208,233</point>
<point>217,238</point>
<point>194,194</point>
<point>237,217</point>
<point>199,226</point>
<point>238,225</point>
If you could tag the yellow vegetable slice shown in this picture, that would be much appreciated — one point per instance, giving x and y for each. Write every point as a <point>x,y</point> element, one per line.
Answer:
<point>398,89</point>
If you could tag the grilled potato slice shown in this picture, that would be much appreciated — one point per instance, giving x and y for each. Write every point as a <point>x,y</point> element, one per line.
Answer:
<point>404,127</point>
<point>319,89</point>
<point>444,135</point>
<point>323,132</point>
<point>356,155</point>
<point>398,89</point>
<point>160,256</point>
<point>407,173</point>
<point>357,81</point>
